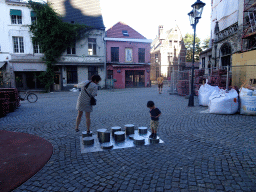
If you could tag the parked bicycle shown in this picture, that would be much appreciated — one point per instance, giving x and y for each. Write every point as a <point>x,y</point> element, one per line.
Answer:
<point>31,97</point>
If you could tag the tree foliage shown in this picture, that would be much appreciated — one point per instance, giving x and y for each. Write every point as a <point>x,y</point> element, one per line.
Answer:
<point>205,43</point>
<point>53,37</point>
<point>188,40</point>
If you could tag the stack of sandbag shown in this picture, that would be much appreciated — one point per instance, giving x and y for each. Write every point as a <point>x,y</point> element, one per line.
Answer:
<point>224,102</point>
<point>248,101</point>
<point>205,92</point>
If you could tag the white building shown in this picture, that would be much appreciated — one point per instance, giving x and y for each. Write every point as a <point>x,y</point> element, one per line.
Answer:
<point>86,57</point>
<point>19,59</point>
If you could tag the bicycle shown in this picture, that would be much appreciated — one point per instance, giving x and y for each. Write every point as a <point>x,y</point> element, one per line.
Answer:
<point>31,97</point>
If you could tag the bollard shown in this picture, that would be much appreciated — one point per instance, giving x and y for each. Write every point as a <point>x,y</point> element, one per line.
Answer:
<point>119,136</point>
<point>88,141</point>
<point>139,140</point>
<point>84,134</point>
<point>143,130</point>
<point>114,129</point>
<point>103,135</point>
<point>129,129</point>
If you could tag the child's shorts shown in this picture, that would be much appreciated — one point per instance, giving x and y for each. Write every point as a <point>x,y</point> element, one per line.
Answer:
<point>154,125</point>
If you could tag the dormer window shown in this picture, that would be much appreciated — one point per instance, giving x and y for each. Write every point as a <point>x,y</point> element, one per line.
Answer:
<point>125,33</point>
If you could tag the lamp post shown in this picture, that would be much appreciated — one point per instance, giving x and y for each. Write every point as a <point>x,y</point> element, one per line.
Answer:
<point>194,17</point>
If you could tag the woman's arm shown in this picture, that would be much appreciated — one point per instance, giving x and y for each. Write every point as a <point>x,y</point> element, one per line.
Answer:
<point>82,84</point>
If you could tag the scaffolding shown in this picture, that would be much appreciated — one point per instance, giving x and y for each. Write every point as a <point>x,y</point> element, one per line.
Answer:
<point>249,25</point>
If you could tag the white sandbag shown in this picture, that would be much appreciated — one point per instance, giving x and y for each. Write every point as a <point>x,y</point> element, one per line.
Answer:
<point>204,93</point>
<point>248,101</point>
<point>222,102</point>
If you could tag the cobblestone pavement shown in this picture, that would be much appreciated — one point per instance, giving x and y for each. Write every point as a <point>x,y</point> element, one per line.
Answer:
<point>202,152</point>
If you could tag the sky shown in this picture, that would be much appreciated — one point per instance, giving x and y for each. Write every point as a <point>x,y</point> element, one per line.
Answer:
<point>145,16</point>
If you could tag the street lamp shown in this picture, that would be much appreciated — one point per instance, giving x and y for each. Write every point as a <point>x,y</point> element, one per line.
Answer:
<point>194,17</point>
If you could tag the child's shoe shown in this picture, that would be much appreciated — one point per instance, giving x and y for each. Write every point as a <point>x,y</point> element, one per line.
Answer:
<point>152,135</point>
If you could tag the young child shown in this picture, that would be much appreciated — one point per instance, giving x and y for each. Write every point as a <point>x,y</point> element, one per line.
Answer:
<point>154,114</point>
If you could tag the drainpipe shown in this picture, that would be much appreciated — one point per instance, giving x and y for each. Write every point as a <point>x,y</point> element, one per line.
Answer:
<point>105,58</point>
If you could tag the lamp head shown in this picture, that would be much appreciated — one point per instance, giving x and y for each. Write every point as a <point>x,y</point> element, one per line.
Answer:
<point>198,9</point>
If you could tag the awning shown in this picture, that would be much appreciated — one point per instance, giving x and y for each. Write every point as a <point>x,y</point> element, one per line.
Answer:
<point>2,64</point>
<point>15,12</point>
<point>33,14</point>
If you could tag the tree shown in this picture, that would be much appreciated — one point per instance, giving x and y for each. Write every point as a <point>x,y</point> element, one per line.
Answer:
<point>205,43</point>
<point>53,37</point>
<point>188,40</point>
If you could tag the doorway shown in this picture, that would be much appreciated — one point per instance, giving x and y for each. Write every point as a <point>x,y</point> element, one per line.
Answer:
<point>134,79</point>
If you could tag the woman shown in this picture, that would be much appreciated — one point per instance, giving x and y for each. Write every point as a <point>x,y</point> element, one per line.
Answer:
<point>83,102</point>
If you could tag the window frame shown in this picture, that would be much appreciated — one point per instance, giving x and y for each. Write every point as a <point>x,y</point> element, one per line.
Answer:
<point>92,70</point>
<point>203,62</point>
<point>114,54</point>
<point>156,58</point>
<point>71,50</point>
<point>72,71</point>
<point>38,48</point>
<point>141,55</point>
<point>92,42</point>
<point>128,55</point>
<point>20,44</point>
<point>16,20</point>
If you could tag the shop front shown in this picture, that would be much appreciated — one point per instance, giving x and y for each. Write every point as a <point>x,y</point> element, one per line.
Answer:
<point>27,75</point>
<point>134,78</point>
<point>129,76</point>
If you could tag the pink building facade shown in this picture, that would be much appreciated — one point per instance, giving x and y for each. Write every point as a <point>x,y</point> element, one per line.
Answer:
<point>128,57</point>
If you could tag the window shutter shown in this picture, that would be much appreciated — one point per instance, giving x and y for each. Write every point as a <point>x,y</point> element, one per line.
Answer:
<point>33,14</point>
<point>15,12</point>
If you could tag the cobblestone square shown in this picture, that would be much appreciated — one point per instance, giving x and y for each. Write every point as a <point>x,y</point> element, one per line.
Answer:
<point>201,151</point>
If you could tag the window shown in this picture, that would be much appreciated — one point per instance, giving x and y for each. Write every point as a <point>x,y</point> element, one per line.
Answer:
<point>128,55</point>
<point>33,17</point>
<point>92,71</point>
<point>125,33</point>
<point>141,55</point>
<point>175,44</point>
<point>157,72</point>
<point>71,74</point>
<point>170,43</point>
<point>18,45</point>
<point>156,58</point>
<point>91,46</point>
<point>16,17</point>
<point>203,62</point>
<point>114,54</point>
<point>170,58</point>
<point>37,48</point>
<point>71,50</point>
<point>110,74</point>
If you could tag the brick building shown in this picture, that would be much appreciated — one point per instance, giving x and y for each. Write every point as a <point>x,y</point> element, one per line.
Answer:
<point>128,57</point>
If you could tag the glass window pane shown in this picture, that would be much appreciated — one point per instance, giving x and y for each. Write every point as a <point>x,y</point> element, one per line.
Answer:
<point>19,19</point>
<point>73,50</point>
<point>94,49</point>
<point>21,44</point>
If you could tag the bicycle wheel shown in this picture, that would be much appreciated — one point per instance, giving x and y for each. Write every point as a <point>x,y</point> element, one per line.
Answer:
<point>32,97</point>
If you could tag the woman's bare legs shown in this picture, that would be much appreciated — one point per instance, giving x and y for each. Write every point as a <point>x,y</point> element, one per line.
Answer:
<point>88,120</point>
<point>78,119</point>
